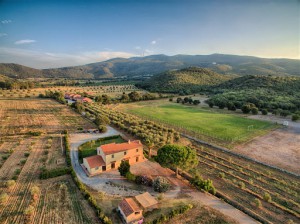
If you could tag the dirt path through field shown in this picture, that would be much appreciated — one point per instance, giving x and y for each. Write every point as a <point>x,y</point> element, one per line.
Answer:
<point>280,148</point>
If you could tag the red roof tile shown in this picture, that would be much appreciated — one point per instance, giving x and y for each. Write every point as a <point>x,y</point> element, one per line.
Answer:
<point>128,206</point>
<point>95,161</point>
<point>114,148</point>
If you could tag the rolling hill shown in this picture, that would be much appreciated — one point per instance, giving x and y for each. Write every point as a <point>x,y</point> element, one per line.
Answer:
<point>154,64</point>
<point>188,80</point>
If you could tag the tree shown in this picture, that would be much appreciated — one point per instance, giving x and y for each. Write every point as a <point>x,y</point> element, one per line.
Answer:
<point>264,111</point>
<point>190,101</point>
<point>179,100</point>
<point>196,102</point>
<point>161,184</point>
<point>150,145</point>
<point>124,98</point>
<point>186,99</point>
<point>106,99</point>
<point>124,168</point>
<point>254,110</point>
<point>102,120</point>
<point>246,108</point>
<point>98,99</point>
<point>177,156</point>
<point>295,117</point>
<point>134,96</point>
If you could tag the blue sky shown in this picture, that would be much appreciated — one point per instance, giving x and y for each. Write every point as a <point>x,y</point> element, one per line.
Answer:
<point>44,34</point>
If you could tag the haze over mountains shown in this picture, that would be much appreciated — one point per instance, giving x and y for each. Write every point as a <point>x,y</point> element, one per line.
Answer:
<point>155,64</point>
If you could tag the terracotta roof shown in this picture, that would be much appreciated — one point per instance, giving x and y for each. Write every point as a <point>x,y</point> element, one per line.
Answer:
<point>146,200</point>
<point>128,206</point>
<point>114,148</point>
<point>95,161</point>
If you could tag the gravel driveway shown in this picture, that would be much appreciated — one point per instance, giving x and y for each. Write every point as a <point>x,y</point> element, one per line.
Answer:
<point>99,182</point>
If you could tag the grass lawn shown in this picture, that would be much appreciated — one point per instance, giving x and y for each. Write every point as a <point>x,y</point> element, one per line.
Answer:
<point>89,148</point>
<point>203,121</point>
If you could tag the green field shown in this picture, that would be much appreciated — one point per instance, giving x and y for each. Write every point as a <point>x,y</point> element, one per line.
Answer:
<point>205,122</point>
<point>90,148</point>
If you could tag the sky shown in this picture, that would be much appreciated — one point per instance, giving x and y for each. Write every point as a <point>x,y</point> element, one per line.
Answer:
<point>48,34</point>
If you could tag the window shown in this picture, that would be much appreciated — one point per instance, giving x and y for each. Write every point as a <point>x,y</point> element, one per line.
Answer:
<point>125,153</point>
<point>112,156</point>
<point>137,213</point>
<point>137,150</point>
<point>137,159</point>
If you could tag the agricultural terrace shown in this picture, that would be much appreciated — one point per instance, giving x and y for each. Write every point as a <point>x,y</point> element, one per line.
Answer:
<point>271,194</point>
<point>204,123</point>
<point>111,90</point>
<point>22,116</point>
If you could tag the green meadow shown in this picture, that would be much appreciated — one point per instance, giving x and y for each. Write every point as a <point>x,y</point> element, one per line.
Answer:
<point>219,125</point>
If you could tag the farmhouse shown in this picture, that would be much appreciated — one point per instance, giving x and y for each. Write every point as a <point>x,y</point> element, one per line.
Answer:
<point>109,156</point>
<point>131,209</point>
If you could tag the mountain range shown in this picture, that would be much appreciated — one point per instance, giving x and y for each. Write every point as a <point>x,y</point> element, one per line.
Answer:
<point>155,64</point>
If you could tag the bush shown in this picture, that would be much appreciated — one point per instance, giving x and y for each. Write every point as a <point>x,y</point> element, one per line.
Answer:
<point>130,176</point>
<point>124,168</point>
<point>161,184</point>
<point>205,185</point>
<point>254,110</point>
<point>222,175</point>
<point>23,161</point>
<point>264,112</point>
<point>10,183</point>
<point>26,154</point>
<point>3,198</point>
<point>35,190</point>
<point>29,210</point>
<point>267,197</point>
<point>45,174</point>
<point>102,128</point>
<point>144,180</point>
<point>241,185</point>
<point>257,203</point>
<point>295,117</point>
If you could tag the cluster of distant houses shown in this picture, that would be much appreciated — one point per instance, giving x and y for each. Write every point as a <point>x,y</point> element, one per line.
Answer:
<point>73,97</point>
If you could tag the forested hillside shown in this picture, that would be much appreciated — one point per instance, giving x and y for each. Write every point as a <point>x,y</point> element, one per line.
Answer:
<point>280,95</point>
<point>188,80</point>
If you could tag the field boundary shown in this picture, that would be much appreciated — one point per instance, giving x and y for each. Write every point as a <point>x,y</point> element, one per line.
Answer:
<point>239,155</point>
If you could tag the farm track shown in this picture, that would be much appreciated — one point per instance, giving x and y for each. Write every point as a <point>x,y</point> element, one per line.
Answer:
<point>19,197</point>
<point>283,204</point>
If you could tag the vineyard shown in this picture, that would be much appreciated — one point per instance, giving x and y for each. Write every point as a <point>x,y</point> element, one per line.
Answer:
<point>272,195</point>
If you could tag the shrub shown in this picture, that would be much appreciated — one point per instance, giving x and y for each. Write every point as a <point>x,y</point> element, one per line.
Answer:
<point>3,198</point>
<point>241,185</point>
<point>29,210</point>
<point>130,176</point>
<point>23,161</point>
<point>205,185</point>
<point>295,117</point>
<point>222,175</point>
<point>124,168</point>
<point>45,174</point>
<point>35,190</point>
<point>267,197</point>
<point>144,180</point>
<point>102,128</point>
<point>10,183</point>
<point>254,110</point>
<point>161,184</point>
<point>26,154</point>
<point>264,112</point>
<point>257,203</point>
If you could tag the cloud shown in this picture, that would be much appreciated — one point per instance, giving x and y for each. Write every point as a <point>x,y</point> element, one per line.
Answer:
<point>6,21</point>
<point>38,59</point>
<point>137,48</point>
<point>3,34</point>
<point>25,41</point>
<point>153,42</point>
